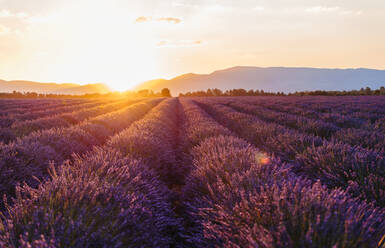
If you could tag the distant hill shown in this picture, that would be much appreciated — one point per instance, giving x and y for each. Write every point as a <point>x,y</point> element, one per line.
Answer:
<point>53,88</point>
<point>286,79</point>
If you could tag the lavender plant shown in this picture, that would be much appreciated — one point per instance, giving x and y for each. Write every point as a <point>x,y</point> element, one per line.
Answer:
<point>102,199</point>
<point>59,143</point>
<point>243,202</point>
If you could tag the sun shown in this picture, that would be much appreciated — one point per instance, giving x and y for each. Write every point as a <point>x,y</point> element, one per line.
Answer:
<point>121,69</point>
<point>128,71</point>
<point>125,64</point>
<point>128,64</point>
<point>112,50</point>
<point>133,73</point>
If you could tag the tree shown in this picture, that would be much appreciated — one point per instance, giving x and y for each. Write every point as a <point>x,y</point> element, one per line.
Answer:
<point>368,91</point>
<point>217,92</point>
<point>166,92</point>
<point>382,90</point>
<point>209,92</point>
<point>143,93</point>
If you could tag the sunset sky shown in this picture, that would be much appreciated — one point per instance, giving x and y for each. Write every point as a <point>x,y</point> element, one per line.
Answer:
<point>122,42</point>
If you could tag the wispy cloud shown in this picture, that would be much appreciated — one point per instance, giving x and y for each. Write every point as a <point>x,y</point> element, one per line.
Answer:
<point>4,13</point>
<point>142,19</point>
<point>333,9</point>
<point>259,8</point>
<point>318,9</point>
<point>4,30</point>
<point>184,5</point>
<point>179,43</point>
<point>170,19</point>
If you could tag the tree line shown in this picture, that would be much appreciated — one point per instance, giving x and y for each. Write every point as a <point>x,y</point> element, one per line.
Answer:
<point>165,92</point>
<point>141,93</point>
<point>242,92</point>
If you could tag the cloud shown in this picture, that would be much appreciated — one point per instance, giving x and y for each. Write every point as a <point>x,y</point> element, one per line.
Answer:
<point>334,9</point>
<point>184,5</point>
<point>4,13</point>
<point>318,9</point>
<point>4,30</point>
<point>179,43</point>
<point>170,19</point>
<point>259,8</point>
<point>219,8</point>
<point>142,19</point>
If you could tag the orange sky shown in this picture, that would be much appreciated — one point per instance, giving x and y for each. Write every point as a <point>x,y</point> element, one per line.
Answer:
<point>122,42</point>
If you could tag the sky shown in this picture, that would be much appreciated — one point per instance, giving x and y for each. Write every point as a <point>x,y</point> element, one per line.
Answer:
<point>122,43</point>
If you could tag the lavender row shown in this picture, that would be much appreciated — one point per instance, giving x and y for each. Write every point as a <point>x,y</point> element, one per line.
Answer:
<point>341,105</point>
<point>365,137</point>
<point>336,164</point>
<point>246,200</point>
<point>356,137</point>
<point>37,105</point>
<point>103,199</point>
<point>367,127</point>
<point>242,198</point>
<point>199,125</point>
<point>23,128</point>
<point>154,139</point>
<point>111,197</point>
<point>9,104</point>
<point>359,113</point>
<point>370,139</point>
<point>311,126</point>
<point>28,158</point>
<point>7,121</point>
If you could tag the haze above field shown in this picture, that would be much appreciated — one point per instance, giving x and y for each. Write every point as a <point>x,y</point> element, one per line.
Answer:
<point>275,79</point>
<point>123,43</point>
<point>51,88</point>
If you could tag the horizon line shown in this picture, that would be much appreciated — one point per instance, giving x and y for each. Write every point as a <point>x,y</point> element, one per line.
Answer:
<point>194,73</point>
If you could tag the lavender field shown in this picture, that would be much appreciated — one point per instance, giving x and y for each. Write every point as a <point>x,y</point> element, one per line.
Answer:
<point>193,172</point>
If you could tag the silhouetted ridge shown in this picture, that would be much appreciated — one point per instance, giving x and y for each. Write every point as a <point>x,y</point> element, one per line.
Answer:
<point>273,79</point>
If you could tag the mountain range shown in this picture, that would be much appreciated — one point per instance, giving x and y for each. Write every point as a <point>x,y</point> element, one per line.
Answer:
<point>274,79</point>
<point>52,88</point>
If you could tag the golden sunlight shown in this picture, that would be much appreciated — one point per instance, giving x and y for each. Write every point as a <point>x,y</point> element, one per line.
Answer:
<point>192,123</point>
<point>106,46</point>
<point>123,43</point>
<point>128,67</point>
<point>122,56</point>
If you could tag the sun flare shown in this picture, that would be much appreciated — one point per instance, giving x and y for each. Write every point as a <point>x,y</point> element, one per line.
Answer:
<point>105,46</point>
<point>123,43</point>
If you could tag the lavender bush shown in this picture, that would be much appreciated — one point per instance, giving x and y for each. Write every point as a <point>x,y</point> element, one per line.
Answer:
<point>242,202</point>
<point>100,200</point>
<point>329,161</point>
<point>153,140</point>
<point>61,143</point>
<point>194,172</point>
<point>64,120</point>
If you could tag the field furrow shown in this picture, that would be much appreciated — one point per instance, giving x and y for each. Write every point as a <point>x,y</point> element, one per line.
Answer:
<point>23,128</point>
<point>7,121</point>
<point>195,172</point>
<point>28,158</point>
<point>38,105</point>
<point>356,169</point>
<point>237,196</point>
<point>356,137</point>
